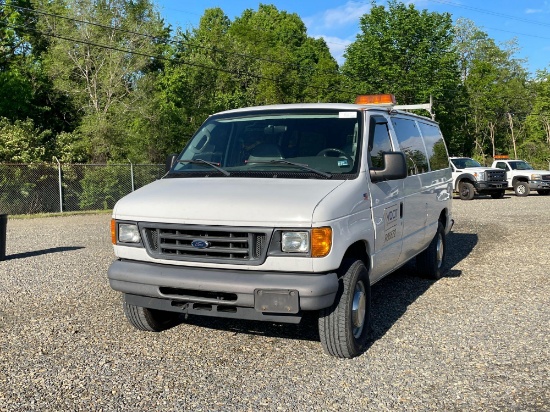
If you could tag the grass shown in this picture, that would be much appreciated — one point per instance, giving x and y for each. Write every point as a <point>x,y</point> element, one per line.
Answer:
<point>58,214</point>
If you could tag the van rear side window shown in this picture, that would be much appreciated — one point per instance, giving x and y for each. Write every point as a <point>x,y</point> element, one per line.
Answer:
<point>411,144</point>
<point>435,146</point>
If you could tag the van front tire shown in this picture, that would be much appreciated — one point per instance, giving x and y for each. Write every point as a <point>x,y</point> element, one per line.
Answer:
<point>149,320</point>
<point>344,327</point>
<point>429,263</point>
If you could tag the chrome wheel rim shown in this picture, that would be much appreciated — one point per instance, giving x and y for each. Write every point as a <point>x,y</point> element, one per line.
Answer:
<point>358,309</point>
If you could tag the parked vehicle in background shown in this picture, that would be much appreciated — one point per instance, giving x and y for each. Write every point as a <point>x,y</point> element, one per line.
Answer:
<point>521,177</point>
<point>470,178</point>
<point>270,212</point>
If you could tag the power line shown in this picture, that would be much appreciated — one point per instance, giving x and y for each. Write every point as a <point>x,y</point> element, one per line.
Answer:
<point>163,40</point>
<point>172,60</point>
<point>492,13</point>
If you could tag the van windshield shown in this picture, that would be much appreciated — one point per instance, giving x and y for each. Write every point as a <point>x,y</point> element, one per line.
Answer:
<point>320,144</point>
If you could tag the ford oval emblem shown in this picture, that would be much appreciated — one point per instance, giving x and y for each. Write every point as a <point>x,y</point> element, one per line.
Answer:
<point>200,244</point>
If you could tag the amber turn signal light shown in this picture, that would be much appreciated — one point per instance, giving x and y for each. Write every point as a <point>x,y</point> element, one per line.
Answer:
<point>321,241</point>
<point>113,231</point>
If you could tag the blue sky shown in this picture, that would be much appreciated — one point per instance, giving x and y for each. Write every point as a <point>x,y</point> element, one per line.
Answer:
<point>337,21</point>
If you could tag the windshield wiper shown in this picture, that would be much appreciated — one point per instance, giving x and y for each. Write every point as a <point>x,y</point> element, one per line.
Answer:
<point>300,165</point>
<point>204,162</point>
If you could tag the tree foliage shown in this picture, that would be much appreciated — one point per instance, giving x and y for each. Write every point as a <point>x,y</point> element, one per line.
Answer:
<point>108,80</point>
<point>409,53</point>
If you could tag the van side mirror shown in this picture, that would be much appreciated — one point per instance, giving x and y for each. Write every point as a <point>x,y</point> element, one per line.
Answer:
<point>170,159</point>
<point>395,167</point>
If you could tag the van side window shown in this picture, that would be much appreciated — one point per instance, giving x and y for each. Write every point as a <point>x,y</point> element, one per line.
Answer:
<point>411,145</point>
<point>435,146</point>
<point>379,142</point>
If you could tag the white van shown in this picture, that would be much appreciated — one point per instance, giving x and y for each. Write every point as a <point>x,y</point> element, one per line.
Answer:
<point>273,211</point>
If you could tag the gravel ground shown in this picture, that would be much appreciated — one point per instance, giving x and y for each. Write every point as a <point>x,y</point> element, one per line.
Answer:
<point>476,340</point>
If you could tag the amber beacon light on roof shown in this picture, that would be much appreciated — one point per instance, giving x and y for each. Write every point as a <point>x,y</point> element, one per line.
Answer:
<point>389,100</point>
<point>375,99</point>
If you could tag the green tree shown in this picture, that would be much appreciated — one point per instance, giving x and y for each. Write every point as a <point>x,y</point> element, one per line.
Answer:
<point>25,90</point>
<point>497,91</point>
<point>21,142</point>
<point>263,57</point>
<point>409,53</point>
<point>537,146</point>
<point>99,51</point>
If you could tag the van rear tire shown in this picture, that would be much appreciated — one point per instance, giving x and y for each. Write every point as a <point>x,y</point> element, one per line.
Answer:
<point>344,327</point>
<point>430,262</point>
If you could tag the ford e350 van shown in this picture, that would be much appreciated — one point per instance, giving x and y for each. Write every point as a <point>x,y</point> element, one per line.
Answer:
<point>270,212</point>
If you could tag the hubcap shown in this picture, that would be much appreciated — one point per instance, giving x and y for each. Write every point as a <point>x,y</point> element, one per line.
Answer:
<point>439,254</point>
<point>358,309</point>
<point>521,189</point>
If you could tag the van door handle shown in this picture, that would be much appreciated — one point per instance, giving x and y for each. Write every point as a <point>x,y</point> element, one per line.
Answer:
<point>401,210</point>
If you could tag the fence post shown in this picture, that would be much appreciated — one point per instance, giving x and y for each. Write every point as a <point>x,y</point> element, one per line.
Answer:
<point>60,185</point>
<point>132,174</point>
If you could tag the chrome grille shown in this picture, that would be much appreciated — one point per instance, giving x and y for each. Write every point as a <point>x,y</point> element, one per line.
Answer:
<point>206,243</point>
<point>545,177</point>
<point>496,175</point>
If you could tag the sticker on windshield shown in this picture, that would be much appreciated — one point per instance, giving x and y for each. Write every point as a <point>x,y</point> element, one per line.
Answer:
<point>347,115</point>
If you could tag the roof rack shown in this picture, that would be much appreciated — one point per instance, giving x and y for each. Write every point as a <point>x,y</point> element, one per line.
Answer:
<point>389,100</point>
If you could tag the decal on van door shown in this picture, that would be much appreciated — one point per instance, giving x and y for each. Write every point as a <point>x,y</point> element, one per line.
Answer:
<point>391,219</point>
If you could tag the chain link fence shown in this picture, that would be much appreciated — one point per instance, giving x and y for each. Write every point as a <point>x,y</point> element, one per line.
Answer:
<point>46,188</point>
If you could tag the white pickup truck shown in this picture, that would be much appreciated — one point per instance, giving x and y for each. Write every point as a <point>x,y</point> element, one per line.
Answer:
<point>523,178</point>
<point>470,178</point>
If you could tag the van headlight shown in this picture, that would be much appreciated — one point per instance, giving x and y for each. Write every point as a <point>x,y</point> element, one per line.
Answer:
<point>295,242</point>
<point>316,242</point>
<point>128,233</point>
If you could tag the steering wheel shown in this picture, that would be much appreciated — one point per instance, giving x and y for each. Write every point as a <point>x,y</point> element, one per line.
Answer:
<point>340,152</point>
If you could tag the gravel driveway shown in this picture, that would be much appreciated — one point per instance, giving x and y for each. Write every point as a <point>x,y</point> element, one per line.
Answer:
<point>476,340</point>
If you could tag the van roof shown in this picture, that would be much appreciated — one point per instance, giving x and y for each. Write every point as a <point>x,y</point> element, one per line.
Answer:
<point>333,106</point>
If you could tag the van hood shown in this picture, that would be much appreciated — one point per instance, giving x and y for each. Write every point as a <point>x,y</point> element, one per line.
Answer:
<point>226,201</point>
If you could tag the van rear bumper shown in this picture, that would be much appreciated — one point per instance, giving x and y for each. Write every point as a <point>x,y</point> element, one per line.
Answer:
<point>238,288</point>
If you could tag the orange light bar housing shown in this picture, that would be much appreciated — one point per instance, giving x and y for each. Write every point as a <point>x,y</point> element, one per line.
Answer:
<point>501,157</point>
<point>375,99</point>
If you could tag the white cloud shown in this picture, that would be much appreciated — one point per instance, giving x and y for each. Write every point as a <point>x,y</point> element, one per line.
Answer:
<point>337,47</point>
<point>545,9</point>
<point>344,15</point>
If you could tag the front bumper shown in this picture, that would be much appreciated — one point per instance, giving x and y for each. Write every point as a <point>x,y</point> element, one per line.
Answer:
<point>539,184</point>
<point>490,186</point>
<point>214,288</point>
